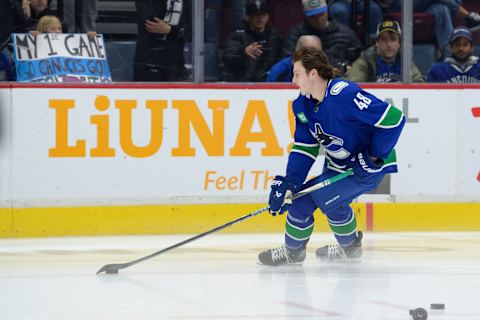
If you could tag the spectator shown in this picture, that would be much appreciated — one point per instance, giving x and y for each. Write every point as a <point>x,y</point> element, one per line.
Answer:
<point>46,24</point>
<point>282,70</point>
<point>49,24</point>
<point>12,20</point>
<point>52,24</point>
<point>339,42</point>
<point>462,66</point>
<point>443,11</point>
<point>80,16</point>
<point>21,16</point>
<point>163,26</point>
<point>251,51</point>
<point>341,11</point>
<point>7,68</point>
<point>382,62</point>
<point>34,10</point>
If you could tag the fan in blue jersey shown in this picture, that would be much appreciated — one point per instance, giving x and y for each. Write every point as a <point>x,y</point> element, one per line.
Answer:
<point>357,131</point>
<point>462,66</point>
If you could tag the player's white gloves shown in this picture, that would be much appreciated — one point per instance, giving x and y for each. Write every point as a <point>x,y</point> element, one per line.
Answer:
<point>280,195</point>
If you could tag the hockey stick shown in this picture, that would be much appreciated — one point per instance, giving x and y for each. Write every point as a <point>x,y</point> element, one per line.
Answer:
<point>113,268</point>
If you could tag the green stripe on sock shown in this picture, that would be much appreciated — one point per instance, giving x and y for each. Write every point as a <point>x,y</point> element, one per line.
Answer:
<point>311,150</point>
<point>345,229</point>
<point>298,234</point>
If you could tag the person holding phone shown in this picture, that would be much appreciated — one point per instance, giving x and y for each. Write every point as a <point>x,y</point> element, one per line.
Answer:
<point>163,28</point>
<point>252,50</point>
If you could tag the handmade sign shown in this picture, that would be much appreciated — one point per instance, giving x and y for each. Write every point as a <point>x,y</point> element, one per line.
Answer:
<point>60,57</point>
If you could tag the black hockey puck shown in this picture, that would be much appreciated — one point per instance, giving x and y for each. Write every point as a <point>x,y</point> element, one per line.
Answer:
<point>419,314</point>
<point>437,306</point>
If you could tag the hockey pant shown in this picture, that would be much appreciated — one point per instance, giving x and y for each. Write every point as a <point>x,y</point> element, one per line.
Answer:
<point>334,201</point>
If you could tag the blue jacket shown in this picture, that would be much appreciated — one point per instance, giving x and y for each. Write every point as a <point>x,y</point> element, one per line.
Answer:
<point>281,71</point>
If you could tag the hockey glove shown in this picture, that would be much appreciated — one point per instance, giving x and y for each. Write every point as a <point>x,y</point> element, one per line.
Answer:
<point>280,195</point>
<point>363,165</point>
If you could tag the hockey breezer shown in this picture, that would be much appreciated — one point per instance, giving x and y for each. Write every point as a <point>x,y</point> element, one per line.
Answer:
<point>115,267</point>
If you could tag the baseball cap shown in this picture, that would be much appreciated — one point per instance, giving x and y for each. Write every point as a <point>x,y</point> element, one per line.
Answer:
<point>313,7</point>
<point>459,32</point>
<point>256,6</point>
<point>389,25</point>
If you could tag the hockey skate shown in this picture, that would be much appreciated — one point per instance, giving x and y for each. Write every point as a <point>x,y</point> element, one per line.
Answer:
<point>335,252</point>
<point>282,256</point>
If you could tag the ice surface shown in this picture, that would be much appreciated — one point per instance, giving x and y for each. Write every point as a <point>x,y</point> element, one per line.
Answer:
<point>217,277</point>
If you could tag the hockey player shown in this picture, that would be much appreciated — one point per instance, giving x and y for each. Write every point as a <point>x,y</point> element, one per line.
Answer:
<point>462,66</point>
<point>358,131</point>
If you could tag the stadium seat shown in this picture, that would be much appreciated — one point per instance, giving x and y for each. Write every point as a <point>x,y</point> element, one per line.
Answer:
<point>286,14</point>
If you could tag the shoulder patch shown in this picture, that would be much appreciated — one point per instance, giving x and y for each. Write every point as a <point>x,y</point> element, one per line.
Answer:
<point>301,116</point>
<point>338,87</point>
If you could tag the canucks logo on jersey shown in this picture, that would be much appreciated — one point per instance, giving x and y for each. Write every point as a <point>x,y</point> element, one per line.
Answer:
<point>325,139</point>
<point>333,145</point>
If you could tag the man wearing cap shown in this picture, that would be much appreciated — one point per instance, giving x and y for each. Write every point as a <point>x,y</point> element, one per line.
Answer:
<point>340,43</point>
<point>462,66</point>
<point>382,62</point>
<point>252,50</point>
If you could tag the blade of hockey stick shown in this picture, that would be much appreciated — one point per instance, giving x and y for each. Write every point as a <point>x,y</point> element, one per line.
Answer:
<point>115,267</point>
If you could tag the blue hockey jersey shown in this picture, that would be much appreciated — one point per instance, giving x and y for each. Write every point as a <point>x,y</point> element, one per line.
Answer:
<point>349,120</point>
<point>388,72</point>
<point>451,71</point>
